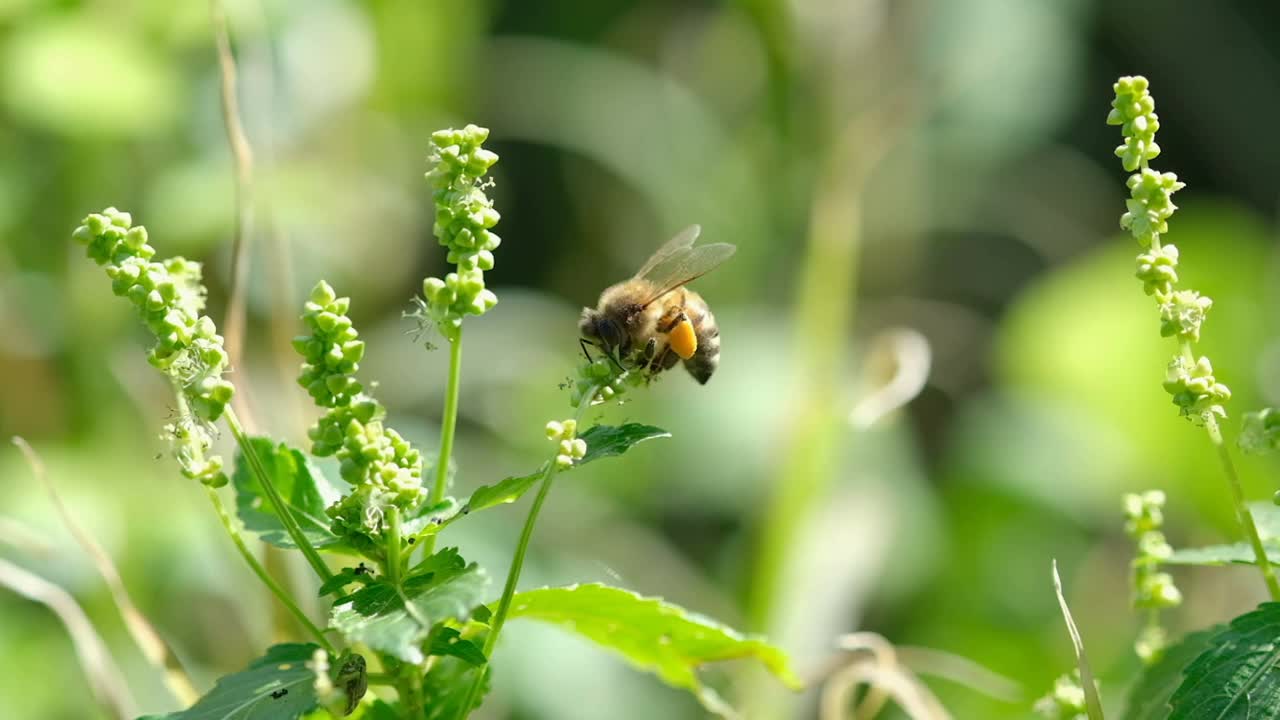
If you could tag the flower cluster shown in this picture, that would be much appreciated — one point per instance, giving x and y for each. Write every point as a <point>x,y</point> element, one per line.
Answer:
<point>169,296</point>
<point>1066,701</point>
<point>1147,211</point>
<point>1152,590</point>
<point>572,447</point>
<point>463,221</point>
<point>382,467</point>
<point>609,381</point>
<point>1195,390</point>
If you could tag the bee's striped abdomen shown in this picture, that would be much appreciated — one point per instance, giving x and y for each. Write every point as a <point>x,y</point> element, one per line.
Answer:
<point>706,358</point>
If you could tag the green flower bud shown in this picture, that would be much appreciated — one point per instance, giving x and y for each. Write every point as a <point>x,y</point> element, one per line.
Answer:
<point>1151,644</point>
<point>1156,270</point>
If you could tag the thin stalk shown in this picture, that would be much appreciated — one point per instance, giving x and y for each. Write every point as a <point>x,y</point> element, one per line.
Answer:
<point>392,569</point>
<point>242,156</point>
<point>262,573</point>
<point>1242,512</point>
<point>448,424</point>
<point>277,502</point>
<point>517,562</point>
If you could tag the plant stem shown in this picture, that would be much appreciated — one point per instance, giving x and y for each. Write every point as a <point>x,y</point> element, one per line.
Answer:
<point>392,569</point>
<point>262,573</point>
<point>277,502</point>
<point>448,424</point>
<point>1242,512</point>
<point>517,562</point>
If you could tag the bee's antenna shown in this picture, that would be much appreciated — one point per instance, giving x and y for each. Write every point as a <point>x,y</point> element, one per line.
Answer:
<point>582,342</point>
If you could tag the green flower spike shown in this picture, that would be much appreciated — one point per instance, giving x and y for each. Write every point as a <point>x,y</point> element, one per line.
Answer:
<point>1152,590</point>
<point>169,296</point>
<point>463,222</point>
<point>383,468</point>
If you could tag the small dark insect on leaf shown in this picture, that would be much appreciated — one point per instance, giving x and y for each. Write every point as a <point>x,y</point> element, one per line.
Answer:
<point>276,695</point>
<point>361,570</point>
<point>412,540</point>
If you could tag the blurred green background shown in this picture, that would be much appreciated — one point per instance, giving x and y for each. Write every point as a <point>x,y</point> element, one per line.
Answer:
<point>933,165</point>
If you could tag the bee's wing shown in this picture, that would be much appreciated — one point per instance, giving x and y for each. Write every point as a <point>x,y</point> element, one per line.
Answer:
<point>683,266</point>
<point>681,241</point>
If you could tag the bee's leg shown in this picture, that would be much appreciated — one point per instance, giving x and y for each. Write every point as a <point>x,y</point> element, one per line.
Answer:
<point>650,349</point>
<point>582,343</point>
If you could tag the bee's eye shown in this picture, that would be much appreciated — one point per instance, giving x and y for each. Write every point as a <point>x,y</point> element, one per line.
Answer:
<point>609,333</point>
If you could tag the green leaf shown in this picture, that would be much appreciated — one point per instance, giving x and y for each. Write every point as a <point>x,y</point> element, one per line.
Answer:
<point>607,440</point>
<point>447,685</point>
<point>396,620</point>
<point>1235,677</point>
<point>334,585</point>
<point>276,686</point>
<point>1266,516</point>
<point>448,641</point>
<point>429,516</point>
<point>507,491</point>
<point>652,635</point>
<point>1149,697</point>
<point>1213,555</point>
<point>602,441</point>
<point>304,489</point>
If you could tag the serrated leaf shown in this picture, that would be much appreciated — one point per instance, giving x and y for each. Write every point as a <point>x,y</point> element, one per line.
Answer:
<point>608,440</point>
<point>396,620</point>
<point>345,577</point>
<point>447,686</point>
<point>448,641</point>
<point>1149,697</point>
<point>1235,678</point>
<point>304,489</point>
<point>651,634</point>
<point>276,686</point>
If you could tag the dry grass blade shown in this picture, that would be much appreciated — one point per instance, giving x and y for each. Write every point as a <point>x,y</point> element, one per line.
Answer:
<point>104,676</point>
<point>875,664</point>
<point>15,534</point>
<point>908,357</point>
<point>1092,702</point>
<point>156,650</point>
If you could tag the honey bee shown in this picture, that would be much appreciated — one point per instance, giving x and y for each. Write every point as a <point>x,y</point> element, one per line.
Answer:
<point>652,321</point>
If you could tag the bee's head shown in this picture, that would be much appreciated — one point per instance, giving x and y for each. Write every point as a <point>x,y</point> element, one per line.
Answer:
<point>598,327</point>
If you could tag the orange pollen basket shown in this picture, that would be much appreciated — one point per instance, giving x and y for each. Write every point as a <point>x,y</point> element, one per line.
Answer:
<point>683,340</point>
